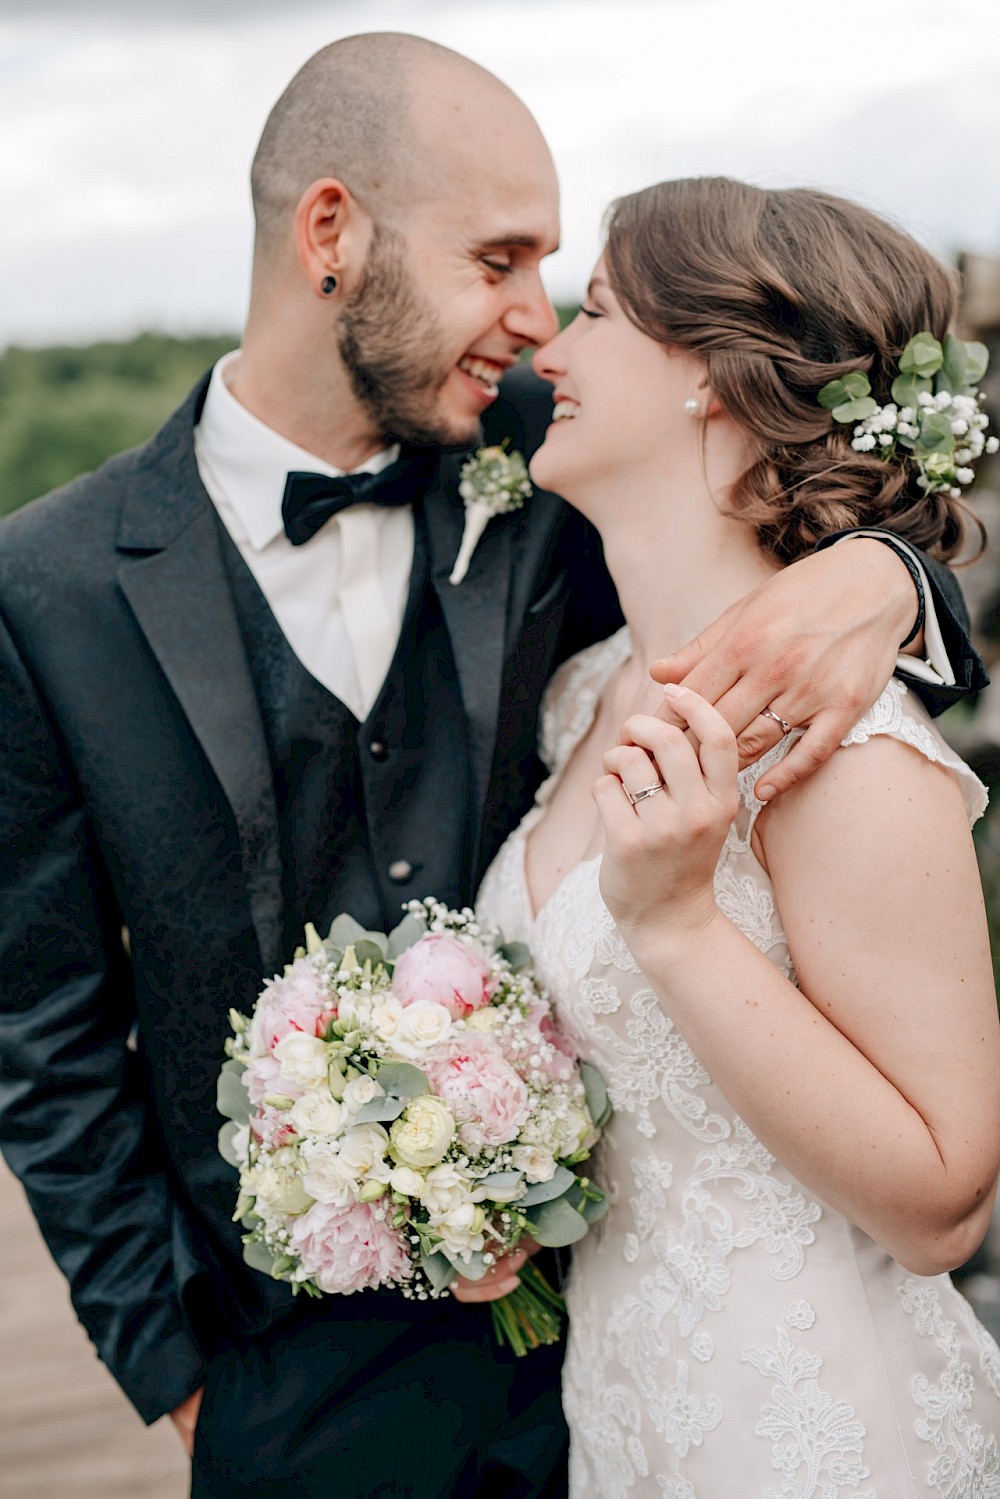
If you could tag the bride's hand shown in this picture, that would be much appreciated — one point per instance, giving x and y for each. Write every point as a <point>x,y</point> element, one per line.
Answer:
<point>660,854</point>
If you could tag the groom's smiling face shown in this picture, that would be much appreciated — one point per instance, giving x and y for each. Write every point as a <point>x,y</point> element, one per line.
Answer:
<point>452,292</point>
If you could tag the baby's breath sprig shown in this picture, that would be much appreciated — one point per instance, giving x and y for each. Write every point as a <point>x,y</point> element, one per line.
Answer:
<point>492,482</point>
<point>935,417</point>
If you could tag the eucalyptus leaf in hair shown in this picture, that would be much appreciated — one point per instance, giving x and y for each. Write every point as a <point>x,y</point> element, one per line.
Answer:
<point>848,399</point>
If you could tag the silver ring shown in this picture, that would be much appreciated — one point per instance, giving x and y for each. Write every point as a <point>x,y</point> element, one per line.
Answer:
<point>641,795</point>
<point>781,722</point>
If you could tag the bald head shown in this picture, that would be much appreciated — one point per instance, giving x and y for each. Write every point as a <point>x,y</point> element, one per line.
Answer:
<point>382,112</point>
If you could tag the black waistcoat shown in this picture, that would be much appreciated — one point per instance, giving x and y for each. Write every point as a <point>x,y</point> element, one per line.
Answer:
<point>370,814</point>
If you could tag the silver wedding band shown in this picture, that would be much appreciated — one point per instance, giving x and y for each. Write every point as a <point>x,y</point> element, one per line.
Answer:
<point>641,795</point>
<point>782,722</point>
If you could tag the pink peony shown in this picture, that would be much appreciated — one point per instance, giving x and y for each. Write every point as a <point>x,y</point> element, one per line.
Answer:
<point>350,1248</point>
<point>488,1099</point>
<point>561,1063</point>
<point>293,1002</point>
<point>445,971</point>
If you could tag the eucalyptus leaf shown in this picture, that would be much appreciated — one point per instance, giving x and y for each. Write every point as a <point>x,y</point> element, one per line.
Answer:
<point>977,362</point>
<point>518,955</point>
<point>594,1210</point>
<point>596,1089</point>
<point>367,951</point>
<point>923,355</point>
<point>475,1269</point>
<point>556,1224</point>
<point>438,1269</point>
<point>259,1257</point>
<point>953,375</point>
<point>380,1110</point>
<point>850,387</point>
<point>227,1146</point>
<point>936,435</point>
<point>230,1095</point>
<point>501,1181</point>
<point>409,931</point>
<point>906,389</point>
<point>854,410</point>
<point>345,930</point>
<point>539,1192</point>
<point>402,1079</point>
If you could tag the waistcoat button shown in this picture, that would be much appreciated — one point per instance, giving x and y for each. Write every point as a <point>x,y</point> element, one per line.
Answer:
<point>378,750</point>
<point>400,870</point>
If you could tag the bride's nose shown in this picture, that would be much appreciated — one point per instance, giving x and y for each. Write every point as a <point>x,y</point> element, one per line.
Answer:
<point>549,361</point>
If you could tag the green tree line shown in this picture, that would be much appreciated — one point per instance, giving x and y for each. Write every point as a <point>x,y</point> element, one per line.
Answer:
<point>65,409</point>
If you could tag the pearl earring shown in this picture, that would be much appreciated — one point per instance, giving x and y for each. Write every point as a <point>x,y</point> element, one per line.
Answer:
<point>692,405</point>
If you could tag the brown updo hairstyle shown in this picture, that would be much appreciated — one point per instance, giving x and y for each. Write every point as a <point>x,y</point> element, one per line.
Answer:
<point>779,292</point>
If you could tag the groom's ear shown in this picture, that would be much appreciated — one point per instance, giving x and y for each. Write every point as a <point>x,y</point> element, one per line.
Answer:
<point>332,233</point>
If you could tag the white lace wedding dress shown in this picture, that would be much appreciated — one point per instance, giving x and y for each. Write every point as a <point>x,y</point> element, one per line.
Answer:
<point>731,1337</point>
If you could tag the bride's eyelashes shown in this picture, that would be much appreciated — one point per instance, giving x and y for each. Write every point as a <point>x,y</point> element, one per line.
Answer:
<point>591,312</point>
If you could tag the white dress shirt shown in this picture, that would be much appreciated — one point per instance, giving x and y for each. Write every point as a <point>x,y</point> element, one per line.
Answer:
<point>339,599</point>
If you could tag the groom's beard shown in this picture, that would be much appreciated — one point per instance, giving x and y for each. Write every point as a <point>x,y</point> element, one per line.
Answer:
<point>393,348</point>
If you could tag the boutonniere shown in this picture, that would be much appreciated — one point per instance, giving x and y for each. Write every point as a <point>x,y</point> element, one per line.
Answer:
<point>492,482</point>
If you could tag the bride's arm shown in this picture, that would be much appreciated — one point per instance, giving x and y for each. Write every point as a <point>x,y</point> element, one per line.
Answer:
<point>877,1084</point>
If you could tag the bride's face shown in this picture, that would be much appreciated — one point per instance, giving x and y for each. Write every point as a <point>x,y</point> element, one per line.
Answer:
<point>619,400</point>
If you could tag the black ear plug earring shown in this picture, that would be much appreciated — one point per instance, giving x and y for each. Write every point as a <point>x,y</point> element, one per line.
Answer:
<point>328,284</point>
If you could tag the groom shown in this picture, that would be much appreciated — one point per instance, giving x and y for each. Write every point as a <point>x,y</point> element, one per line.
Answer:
<point>231,703</point>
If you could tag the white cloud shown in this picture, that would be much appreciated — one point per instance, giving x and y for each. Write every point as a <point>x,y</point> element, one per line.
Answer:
<point>123,189</point>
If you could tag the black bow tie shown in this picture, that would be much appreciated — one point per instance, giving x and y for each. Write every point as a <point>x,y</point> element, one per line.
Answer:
<point>310,500</point>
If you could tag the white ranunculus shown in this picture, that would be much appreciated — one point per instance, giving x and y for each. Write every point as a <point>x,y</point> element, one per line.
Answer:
<point>361,1090</point>
<point>537,1163</point>
<point>422,1026</point>
<point>304,1059</point>
<point>316,1113</point>
<point>423,1132</point>
<point>407,1181</point>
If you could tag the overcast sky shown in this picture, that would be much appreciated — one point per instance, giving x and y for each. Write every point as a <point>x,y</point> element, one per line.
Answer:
<point>127,126</point>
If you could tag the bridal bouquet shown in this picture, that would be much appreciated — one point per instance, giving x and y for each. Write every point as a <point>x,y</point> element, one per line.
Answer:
<point>401,1108</point>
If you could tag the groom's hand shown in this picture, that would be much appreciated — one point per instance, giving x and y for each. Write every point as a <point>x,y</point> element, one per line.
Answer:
<point>816,644</point>
<point>185,1418</point>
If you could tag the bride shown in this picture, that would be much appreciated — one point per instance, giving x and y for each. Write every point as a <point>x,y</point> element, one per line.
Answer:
<point>792,1002</point>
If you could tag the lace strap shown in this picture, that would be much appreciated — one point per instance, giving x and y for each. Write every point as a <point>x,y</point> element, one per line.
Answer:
<point>898,715</point>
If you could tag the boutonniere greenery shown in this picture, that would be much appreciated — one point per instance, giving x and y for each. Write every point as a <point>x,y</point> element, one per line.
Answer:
<point>934,418</point>
<point>492,481</point>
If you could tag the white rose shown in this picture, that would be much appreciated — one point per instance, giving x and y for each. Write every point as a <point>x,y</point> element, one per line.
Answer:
<point>423,1132</point>
<point>304,1059</point>
<point>407,1181</point>
<point>361,1090</point>
<point>445,1187</point>
<point>316,1114</point>
<point>537,1163</point>
<point>281,1191</point>
<point>576,1132</point>
<point>362,1151</point>
<point>354,1010</point>
<point>422,1025</point>
<point>461,1230</point>
<point>385,1017</point>
<point>327,1177</point>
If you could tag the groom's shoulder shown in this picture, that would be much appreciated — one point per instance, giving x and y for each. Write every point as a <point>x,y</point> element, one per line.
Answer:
<point>521,412</point>
<point>82,516</point>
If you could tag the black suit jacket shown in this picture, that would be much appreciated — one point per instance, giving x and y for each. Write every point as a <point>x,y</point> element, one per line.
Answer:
<point>135,797</point>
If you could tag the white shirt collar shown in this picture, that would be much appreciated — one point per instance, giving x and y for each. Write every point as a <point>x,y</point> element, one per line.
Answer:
<point>250,461</point>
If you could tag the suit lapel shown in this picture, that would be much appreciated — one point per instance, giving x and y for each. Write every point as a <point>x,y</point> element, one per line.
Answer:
<point>475,613</point>
<point>179,595</point>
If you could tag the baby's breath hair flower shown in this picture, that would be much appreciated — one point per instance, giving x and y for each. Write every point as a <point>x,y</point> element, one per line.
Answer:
<point>492,482</point>
<point>934,419</point>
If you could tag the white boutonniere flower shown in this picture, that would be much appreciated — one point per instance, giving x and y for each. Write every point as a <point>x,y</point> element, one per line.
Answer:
<point>492,482</point>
